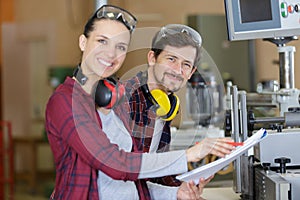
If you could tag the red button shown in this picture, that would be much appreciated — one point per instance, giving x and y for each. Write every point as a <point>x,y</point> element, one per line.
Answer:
<point>290,8</point>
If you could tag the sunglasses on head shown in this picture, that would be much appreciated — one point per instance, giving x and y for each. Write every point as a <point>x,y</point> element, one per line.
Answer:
<point>172,29</point>
<point>116,13</point>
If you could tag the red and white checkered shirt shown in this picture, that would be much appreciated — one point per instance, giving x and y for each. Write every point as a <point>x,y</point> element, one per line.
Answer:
<point>80,147</point>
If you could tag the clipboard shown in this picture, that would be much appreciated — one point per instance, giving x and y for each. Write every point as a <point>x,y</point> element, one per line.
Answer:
<point>211,168</point>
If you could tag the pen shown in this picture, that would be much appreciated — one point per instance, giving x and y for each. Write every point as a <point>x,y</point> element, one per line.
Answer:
<point>236,143</point>
<point>232,143</point>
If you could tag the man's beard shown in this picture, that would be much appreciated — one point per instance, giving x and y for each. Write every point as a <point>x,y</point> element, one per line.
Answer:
<point>165,85</point>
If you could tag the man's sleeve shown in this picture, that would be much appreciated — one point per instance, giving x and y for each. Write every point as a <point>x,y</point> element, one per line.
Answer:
<point>164,145</point>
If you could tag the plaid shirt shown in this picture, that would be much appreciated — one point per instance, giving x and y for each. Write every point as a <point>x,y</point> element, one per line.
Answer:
<point>142,121</point>
<point>80,147</point>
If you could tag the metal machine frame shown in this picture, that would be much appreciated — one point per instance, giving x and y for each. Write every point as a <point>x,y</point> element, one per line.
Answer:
<point>272,170</point>
<point>263,172</point>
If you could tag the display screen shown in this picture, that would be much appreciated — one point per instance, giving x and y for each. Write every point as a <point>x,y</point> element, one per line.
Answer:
<point>253,19</point>
<point>255,10</point>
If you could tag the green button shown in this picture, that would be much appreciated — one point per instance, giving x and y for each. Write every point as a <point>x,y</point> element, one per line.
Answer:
<point>284,11</point>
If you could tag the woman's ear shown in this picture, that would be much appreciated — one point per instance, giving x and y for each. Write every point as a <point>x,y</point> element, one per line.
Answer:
<point>82,42</point>
<point>151,58</point>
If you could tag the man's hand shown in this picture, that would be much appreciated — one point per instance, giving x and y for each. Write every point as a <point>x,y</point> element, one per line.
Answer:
<point>215,146</point>
<point>190,191</point>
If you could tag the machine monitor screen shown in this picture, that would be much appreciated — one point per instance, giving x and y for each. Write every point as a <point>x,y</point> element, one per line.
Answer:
<point>252,19</point>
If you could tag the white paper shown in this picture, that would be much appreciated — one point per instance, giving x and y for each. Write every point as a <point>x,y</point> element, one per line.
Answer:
<point>211,168</point>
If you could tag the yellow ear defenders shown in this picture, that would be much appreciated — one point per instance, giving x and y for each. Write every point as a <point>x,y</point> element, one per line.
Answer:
<point>167,106</point>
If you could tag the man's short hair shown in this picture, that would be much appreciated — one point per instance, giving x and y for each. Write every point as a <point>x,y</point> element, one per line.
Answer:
<point>177,35</point>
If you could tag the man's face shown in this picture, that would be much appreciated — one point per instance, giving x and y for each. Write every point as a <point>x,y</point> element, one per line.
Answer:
<point>173,67</point>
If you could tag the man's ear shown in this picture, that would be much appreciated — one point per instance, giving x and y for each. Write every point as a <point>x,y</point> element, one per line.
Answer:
<point>82,42</point>
<point>151,58</point>
<point>194,69</point>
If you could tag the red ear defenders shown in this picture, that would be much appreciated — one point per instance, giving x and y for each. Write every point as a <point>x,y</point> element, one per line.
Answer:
<point>167,106</point>
<point>108,93</point>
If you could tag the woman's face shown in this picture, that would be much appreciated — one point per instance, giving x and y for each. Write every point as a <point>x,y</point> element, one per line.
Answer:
<point>104,51</point>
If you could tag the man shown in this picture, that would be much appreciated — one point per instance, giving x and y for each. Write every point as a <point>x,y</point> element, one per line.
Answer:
<point>173,58</point>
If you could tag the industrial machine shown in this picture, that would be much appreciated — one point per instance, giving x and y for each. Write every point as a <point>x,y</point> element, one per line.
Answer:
<point>271,171</point>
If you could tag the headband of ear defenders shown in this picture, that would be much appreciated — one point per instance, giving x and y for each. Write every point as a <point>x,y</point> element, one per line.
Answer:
<point>81,78</point>
<point>107,92</point>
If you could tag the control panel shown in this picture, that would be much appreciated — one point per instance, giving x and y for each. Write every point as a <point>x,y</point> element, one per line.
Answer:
<point>251,19</point>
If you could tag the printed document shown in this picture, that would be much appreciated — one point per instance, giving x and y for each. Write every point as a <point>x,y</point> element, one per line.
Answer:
<point>213,167</point>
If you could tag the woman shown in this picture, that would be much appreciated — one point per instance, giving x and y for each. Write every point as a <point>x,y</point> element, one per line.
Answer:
<point>78,142</point>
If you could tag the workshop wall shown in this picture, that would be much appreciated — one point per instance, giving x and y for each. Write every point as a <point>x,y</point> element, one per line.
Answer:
<point>158,13</point>
<point>53,27</point>
<point>45,34</point>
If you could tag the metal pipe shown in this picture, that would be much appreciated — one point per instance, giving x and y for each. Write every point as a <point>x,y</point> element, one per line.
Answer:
<point>99,3</point>
<point>260,99</point>
<point>292,118</point>
<point>244,161</point>
<point>252,65</point>
<point>235,133</point>
<point>286,66</point>
<point>244,116</point>
<point>262,120</point>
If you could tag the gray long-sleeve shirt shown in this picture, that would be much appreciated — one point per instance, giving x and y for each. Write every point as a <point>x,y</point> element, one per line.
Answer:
<point>153,164</point>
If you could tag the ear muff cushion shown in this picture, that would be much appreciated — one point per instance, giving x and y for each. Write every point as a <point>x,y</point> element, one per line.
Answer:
<point>174,102</point>
<point>114,96</point>
<point>117,91</point>
<point>103,94</point>
<point>108,93</point>
<point>162,100</point>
